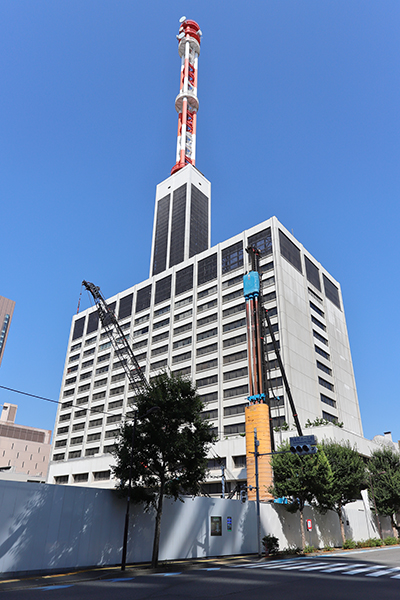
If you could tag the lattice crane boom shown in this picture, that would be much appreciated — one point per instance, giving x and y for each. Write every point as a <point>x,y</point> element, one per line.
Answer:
<point>118,339</point>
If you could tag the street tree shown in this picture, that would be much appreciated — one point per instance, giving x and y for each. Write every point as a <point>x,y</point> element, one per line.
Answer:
<point>301,479</point>
<point>384,484</point>
<point>349,477</point>
<point>170,446</point>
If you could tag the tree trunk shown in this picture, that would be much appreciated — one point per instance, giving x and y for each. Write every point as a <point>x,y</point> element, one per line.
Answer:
<point>341,521</point>
<point>303,533</point>
<point>394,527</point>
<point>156,543</point>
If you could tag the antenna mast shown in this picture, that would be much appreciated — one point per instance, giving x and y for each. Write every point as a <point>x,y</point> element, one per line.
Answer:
<point>186,102</point>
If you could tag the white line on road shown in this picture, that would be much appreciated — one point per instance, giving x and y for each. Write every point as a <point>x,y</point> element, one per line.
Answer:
<point>385,571</point>
<point>344,568</point>
<point>304,566</point>
<point>323,566</point>
<point>362,570</point>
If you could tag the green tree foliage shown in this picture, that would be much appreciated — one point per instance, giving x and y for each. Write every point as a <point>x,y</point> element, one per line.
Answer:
<point>349,476</point>
<point>170,446</point>
<point>384,480</point>
<point>301,479</point>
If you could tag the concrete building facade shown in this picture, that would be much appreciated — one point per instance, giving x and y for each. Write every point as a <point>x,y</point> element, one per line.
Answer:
<point>24,451</point>
<point>190,318</point>
<point>6,313</point>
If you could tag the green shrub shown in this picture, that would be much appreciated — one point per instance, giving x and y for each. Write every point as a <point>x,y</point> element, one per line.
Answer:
<point>390,541</point>
<point>373,542</point>
<point>308,549</point>
<point>271,544</point>
<point>290,550</point>
<point>349,544</point>
<point>360,544</point>
<point>328,548</point>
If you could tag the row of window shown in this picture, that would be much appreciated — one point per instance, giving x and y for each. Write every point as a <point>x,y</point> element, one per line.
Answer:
<point>83,477</point>
<point>292,253</point>
<point>231,259</point>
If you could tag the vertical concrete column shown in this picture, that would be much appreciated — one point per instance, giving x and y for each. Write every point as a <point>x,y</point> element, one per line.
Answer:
<point>257,415</point>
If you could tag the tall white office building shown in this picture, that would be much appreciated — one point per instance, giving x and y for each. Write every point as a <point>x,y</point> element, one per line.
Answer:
<point>190,317</point>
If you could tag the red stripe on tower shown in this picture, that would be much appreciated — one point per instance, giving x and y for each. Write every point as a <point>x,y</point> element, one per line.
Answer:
<point>186,102</point>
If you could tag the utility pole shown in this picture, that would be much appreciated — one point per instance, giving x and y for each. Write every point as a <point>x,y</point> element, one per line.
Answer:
<point>256,444</point>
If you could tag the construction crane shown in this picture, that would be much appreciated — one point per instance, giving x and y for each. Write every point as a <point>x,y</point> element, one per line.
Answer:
<point>252,293</point>
<point>118,339</point>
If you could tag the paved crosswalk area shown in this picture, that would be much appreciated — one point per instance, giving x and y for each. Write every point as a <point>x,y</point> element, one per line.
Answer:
<point>325,566</point>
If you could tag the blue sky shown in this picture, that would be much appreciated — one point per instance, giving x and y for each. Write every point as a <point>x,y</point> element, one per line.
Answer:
<point>298,118</point>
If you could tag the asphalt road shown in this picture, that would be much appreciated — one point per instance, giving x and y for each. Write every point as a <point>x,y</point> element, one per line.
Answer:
<point>367,574</point>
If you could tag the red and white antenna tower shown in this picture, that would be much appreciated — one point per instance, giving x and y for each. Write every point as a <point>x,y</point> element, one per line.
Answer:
<point>186,102</point>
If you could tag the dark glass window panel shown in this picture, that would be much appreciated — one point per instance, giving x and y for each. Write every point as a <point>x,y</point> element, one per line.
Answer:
<point>231,429</point>
<point>233,310</point>
<point>322,352</point>
<point>275,382</point>
<point>125,306</point>
<point>234,324</point>
<point>328,417</point>
<point>320,337</point>
<point>207,349</point>
<point>241,390</point>
<point>268,267</point>
<point>235,374</point>
<point>238,339</point>
<point>186,327</point>
<point>318,323</point>
<point>161,236</point>
<point>181,357</point>
<point>324,368</point>
<point>237,409</point>
<point>331,291</point>
<point>78,328</point>
<point>262,241</point>
<point>163,289</point>
<point>198,222</point>
<point>235,357</point>
<point>209,364</point>
<point>207,381</point>
<point>207,269</point>
<point>290,251</point>
<point>326,384</point>
<point>328,400</point>
<point>111,308</point>
<point>206,334</point>
<point>317,310</point>
<point>269,297</point>
<point>184,280</point>
<point>276,402</point>
<point>278,421</point>
<point>312,273</point>
<point>206,320</point>
<point>232,296</point>
<point>93,322</point>
<point>209,397</point>
<point>213,463</point>
<point>239,461</point>
<point>178,226</point>
<point>143,298</point>
<point>232,257</point>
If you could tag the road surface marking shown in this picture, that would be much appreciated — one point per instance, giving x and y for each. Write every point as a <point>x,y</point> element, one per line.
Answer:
<point>362,570</point>
<point>344,568</point>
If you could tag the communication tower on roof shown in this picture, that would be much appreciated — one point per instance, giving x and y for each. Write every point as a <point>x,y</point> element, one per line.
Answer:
<point>186,102</point>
